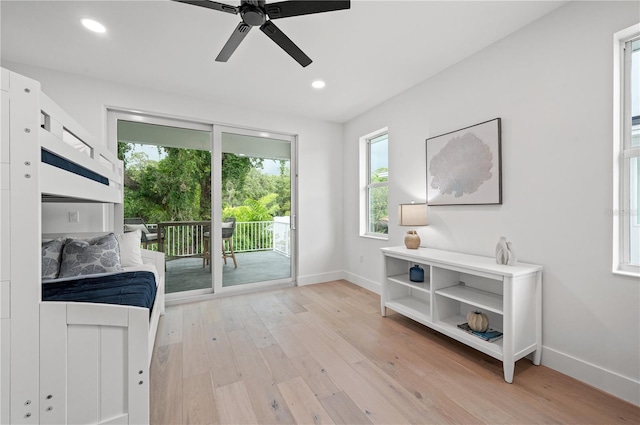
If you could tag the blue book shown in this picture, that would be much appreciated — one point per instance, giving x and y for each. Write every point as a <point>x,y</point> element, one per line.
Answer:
<point>489,335</point>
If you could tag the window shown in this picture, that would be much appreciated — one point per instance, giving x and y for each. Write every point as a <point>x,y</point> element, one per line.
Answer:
<point>627,152</point>
<point>374,165</point>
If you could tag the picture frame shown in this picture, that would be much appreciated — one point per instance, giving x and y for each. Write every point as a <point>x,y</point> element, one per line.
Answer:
<point>464,167</point>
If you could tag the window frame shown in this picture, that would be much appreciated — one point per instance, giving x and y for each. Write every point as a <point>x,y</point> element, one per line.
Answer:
<point>623,152</point>
<point>366,185</point>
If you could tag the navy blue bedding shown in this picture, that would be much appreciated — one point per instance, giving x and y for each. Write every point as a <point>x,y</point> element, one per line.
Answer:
<point>129,288</point>
<point>64,164</point>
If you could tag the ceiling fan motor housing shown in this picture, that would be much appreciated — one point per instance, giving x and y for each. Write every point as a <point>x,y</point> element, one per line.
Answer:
<point>253,15</point>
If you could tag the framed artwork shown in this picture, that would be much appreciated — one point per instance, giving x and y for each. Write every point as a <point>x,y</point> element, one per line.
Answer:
<point>464,166</point>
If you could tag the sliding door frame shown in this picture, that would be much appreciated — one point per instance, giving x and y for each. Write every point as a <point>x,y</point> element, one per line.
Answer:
<point>216,215</point>
<point>113,114</point>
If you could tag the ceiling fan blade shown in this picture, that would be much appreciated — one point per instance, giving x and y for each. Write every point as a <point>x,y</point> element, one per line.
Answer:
<point>285,9</point>
<point>234,41</point>
<point>274,33</point>
<point>212,5</point>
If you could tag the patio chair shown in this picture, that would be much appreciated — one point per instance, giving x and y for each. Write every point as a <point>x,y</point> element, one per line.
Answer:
<point>227,235</point>
<point>228,227</point>
<point>137,223</point>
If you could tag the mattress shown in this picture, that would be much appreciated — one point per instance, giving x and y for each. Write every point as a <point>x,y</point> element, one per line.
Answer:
<point>136,288</point>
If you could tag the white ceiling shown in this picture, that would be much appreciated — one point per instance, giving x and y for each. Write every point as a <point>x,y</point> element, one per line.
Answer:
<point>367,54</point>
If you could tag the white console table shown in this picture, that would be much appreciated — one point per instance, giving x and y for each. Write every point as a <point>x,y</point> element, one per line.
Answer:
<point>455,284</point>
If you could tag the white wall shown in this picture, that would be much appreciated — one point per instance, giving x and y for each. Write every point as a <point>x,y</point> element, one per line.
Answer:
<point>320,167</point>
<point>91,218</point>
<point>551,83</point>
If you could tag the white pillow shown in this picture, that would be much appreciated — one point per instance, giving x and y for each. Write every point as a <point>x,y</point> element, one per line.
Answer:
<point>227,225</point>
<point>130,253</point>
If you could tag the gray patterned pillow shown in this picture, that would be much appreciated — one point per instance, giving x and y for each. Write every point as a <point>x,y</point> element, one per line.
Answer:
<point>97,255</point>
<point>51,256</point>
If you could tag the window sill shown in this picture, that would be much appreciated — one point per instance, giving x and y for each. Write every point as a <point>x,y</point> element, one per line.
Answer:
<point>627,273</point>
<point>379,237</point>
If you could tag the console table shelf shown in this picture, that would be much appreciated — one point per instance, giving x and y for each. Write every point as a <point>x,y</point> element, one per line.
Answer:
<point>456,283</point>
<point>403,279</point>
<point>482,299</point>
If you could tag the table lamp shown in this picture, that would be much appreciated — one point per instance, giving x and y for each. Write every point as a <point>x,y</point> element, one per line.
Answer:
<point>412,215</point>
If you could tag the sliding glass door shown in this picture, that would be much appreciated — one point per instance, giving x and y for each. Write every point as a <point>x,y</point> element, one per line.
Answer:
<point>256,213</point>
<point>167,194</point>
<point>218,201</point>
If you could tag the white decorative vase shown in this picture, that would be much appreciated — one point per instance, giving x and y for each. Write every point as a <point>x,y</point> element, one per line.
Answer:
<point>505,253</point>
<point>512,255</point>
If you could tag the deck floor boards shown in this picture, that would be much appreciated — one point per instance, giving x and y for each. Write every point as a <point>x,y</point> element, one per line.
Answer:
<point>185,274</point>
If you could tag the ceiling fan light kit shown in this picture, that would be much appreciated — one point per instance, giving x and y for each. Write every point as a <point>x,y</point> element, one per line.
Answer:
<point>256,13</point>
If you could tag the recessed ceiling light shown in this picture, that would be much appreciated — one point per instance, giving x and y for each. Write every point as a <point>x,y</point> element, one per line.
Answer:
<point>92,25</point>
<point>318,84</point>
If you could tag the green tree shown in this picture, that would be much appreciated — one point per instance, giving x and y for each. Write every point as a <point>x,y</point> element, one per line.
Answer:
<point>379,202</point>
<point>170,189</point>
<point>234,173</point>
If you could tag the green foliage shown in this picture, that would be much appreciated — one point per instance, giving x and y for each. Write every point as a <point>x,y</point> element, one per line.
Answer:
<point>235,169</point>
<point>178,186</point>
<point>379,203</point>
<point>123,149</point>
<point>253,210</point>
<point>259,185</point>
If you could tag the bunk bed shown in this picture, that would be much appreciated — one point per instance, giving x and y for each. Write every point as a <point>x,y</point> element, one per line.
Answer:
<point>73,359</point>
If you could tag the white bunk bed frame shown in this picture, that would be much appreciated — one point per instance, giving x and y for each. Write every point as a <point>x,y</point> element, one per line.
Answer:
<point>61,362</point>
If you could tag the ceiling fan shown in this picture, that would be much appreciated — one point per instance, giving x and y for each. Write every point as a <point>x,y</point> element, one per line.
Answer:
<point>257,13</point>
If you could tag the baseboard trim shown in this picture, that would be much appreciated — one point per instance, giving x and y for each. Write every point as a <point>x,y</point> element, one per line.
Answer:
<point>363,282</point>
<point>608,381</point>
<point>320,278</point>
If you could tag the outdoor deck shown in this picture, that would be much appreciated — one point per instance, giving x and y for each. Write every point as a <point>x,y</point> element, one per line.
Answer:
<point>187,274</point>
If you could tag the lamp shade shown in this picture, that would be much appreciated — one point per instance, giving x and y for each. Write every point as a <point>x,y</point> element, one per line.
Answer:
<point>412,214</point>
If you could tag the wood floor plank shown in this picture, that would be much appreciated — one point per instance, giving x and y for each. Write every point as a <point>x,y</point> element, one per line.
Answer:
<point>254,326</point>
<point>368,399</point>
<point>413,405</point>
<point>333,339</point>
<point>267,401</point>
<point>228,311</point>
<point>273,312</point>
<point>195,353</point>
<point>198,401</point>
<point>280,366</point>
<point>166,385</point>
<point>222,363</point>
<point>170,327</point>
<point>410,371</point>
<point>331,308</point>
<point>307,367</point>
<point>234,405</point>
<point>287,341</point>
<point>279,356</point>
<point>343,410</point>
<point>303,404</point>
<point>211,311</point>
<point>315,376</point>
<point>285,298</point>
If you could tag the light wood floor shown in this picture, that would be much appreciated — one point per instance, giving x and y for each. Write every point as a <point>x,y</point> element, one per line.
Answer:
<point>323,354</point>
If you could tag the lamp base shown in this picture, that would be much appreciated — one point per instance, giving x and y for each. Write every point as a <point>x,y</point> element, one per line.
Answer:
<point>412,240</point>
